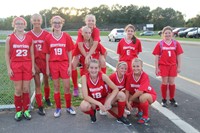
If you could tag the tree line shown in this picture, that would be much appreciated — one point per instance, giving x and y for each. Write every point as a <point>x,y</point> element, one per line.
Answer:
<point>110,17</point>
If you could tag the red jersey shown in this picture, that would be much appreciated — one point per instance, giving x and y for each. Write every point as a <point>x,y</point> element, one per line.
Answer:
<point>95,35</point>
<point>99,50</point>
<point>97,90</point>
<point>128,51</point>
<point>20,48</point>
<point>119,83</point>
<point>142,84</point>
<point>58,48</point>
<point>38,42</point>
<point>168,52</point>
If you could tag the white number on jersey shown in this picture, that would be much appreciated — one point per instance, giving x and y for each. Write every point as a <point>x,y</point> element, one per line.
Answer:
<point>20,52</point>
<point>96,95</point>
<point>169,53</point>
<point>127,52</point>
<point>38,47</point>
<point>58,51</point>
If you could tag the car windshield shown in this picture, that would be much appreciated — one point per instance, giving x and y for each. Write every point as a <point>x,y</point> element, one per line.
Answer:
<point>120,31</point>
<point>189,29</point>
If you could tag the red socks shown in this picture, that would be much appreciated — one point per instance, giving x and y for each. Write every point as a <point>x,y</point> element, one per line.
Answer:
<point>26,101</point>
<point>57,100</point>
<point>46,93</point>
<point>121,106</point>
<point>145,108</point>
<point>90,112</point>
<point>75,78</point>
<point>103,70</point>
<point>172,91</point>
<point>68,100</point>
<point>164,91</point>
<point>18,103</point>
<point>38,98</point>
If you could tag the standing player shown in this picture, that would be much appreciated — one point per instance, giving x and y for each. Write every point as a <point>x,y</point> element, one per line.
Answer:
<point>95,94</point>
<point>168,63</point>
<point>58,48</point>
<point>87,45</point>
<point>20,64</point>
<point>38,35</point>
<point>129,47</point>
<point>139,92</point>
<point>90,21</point>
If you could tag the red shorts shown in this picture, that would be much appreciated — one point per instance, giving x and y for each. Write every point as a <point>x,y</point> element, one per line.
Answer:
<point>22,70</point>
<point>101,100</point>
<point>168,71</point>
<point>59,69</point>
<point>153,97</point>
<point>41,64</point>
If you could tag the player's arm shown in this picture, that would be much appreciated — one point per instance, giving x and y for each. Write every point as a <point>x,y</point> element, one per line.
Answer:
<point>70,62</point>
<point>7,57</point>
<point>47,64</point>
<point>82,50</point>
<point>157,71</point>
<point>114,88</point>
<point>135,96</point>
<point>179,63</point>
<point>86,96</point>
<point>32,58</point>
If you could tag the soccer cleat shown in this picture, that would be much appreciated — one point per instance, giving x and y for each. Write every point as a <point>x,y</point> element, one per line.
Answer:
<point>102,113</point>
<point>93,117</point>
<point>27,114</point>
<point>71,111</point>
<point>164,103</point>
<point>41,111</point>
<point>127,111</point>
<point>143,120</point>
<point>48,102</point>
<point>57,113</point>
<point>124,120</point>
<point>75,92</point>
<point>173,102</point>
<point>18,116</point>
<point>139,114</point>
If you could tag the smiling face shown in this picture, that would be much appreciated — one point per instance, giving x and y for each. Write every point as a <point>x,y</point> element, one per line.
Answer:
<point>36,20</point>
<point>57,23</point>
<point>167,35</point>
<point>137,66</point>
<point>93,68</point>
<point>86,32</point>
<point>90,21</point>
<point>19,24</point>
<point>121,69</point>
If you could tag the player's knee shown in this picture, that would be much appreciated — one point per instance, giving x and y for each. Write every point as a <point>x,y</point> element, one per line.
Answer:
<point>121,96</point>
<point>84,106</point>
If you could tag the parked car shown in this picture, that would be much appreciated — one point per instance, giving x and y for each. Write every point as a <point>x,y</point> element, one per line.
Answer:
<point>176,30</point>
<point>185,32</point>
<point>116,34</point>
<point>194,34</point>
<point>147,33</point>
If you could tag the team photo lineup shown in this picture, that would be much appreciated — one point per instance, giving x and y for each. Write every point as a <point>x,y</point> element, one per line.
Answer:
<point>54,55</point>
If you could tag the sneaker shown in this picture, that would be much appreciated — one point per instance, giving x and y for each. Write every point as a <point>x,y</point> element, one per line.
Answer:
<point>124,120</point>
<point>93,117</point>
<point>27,114</point>
<point>71,111</point>
<point>48,102</point>
<point>102,113</point>
<point>41,111</point>
<point>139,114</point>
<point>76,92</point>
<point>57,113</point>
<point>173,102</point>
<point>18,116</point>
<point>127,111</point>
<point>164,103</point>
<point>143,120</point>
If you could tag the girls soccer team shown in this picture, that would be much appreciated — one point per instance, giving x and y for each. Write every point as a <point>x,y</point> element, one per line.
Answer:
<point>35,52</point>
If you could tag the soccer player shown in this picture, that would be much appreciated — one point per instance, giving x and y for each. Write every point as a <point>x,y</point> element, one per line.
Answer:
<point>90,21</point>
<point>95,94</point>
<point>58,48</point>
<point>38,35</point>
<point>19,56</point>
<point>168,63</point>
<point>129,47</point>
<point>88,43</point>
<point>139,93</point>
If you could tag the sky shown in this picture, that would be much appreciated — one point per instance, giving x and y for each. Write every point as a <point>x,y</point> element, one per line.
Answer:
<point>25,7</point>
